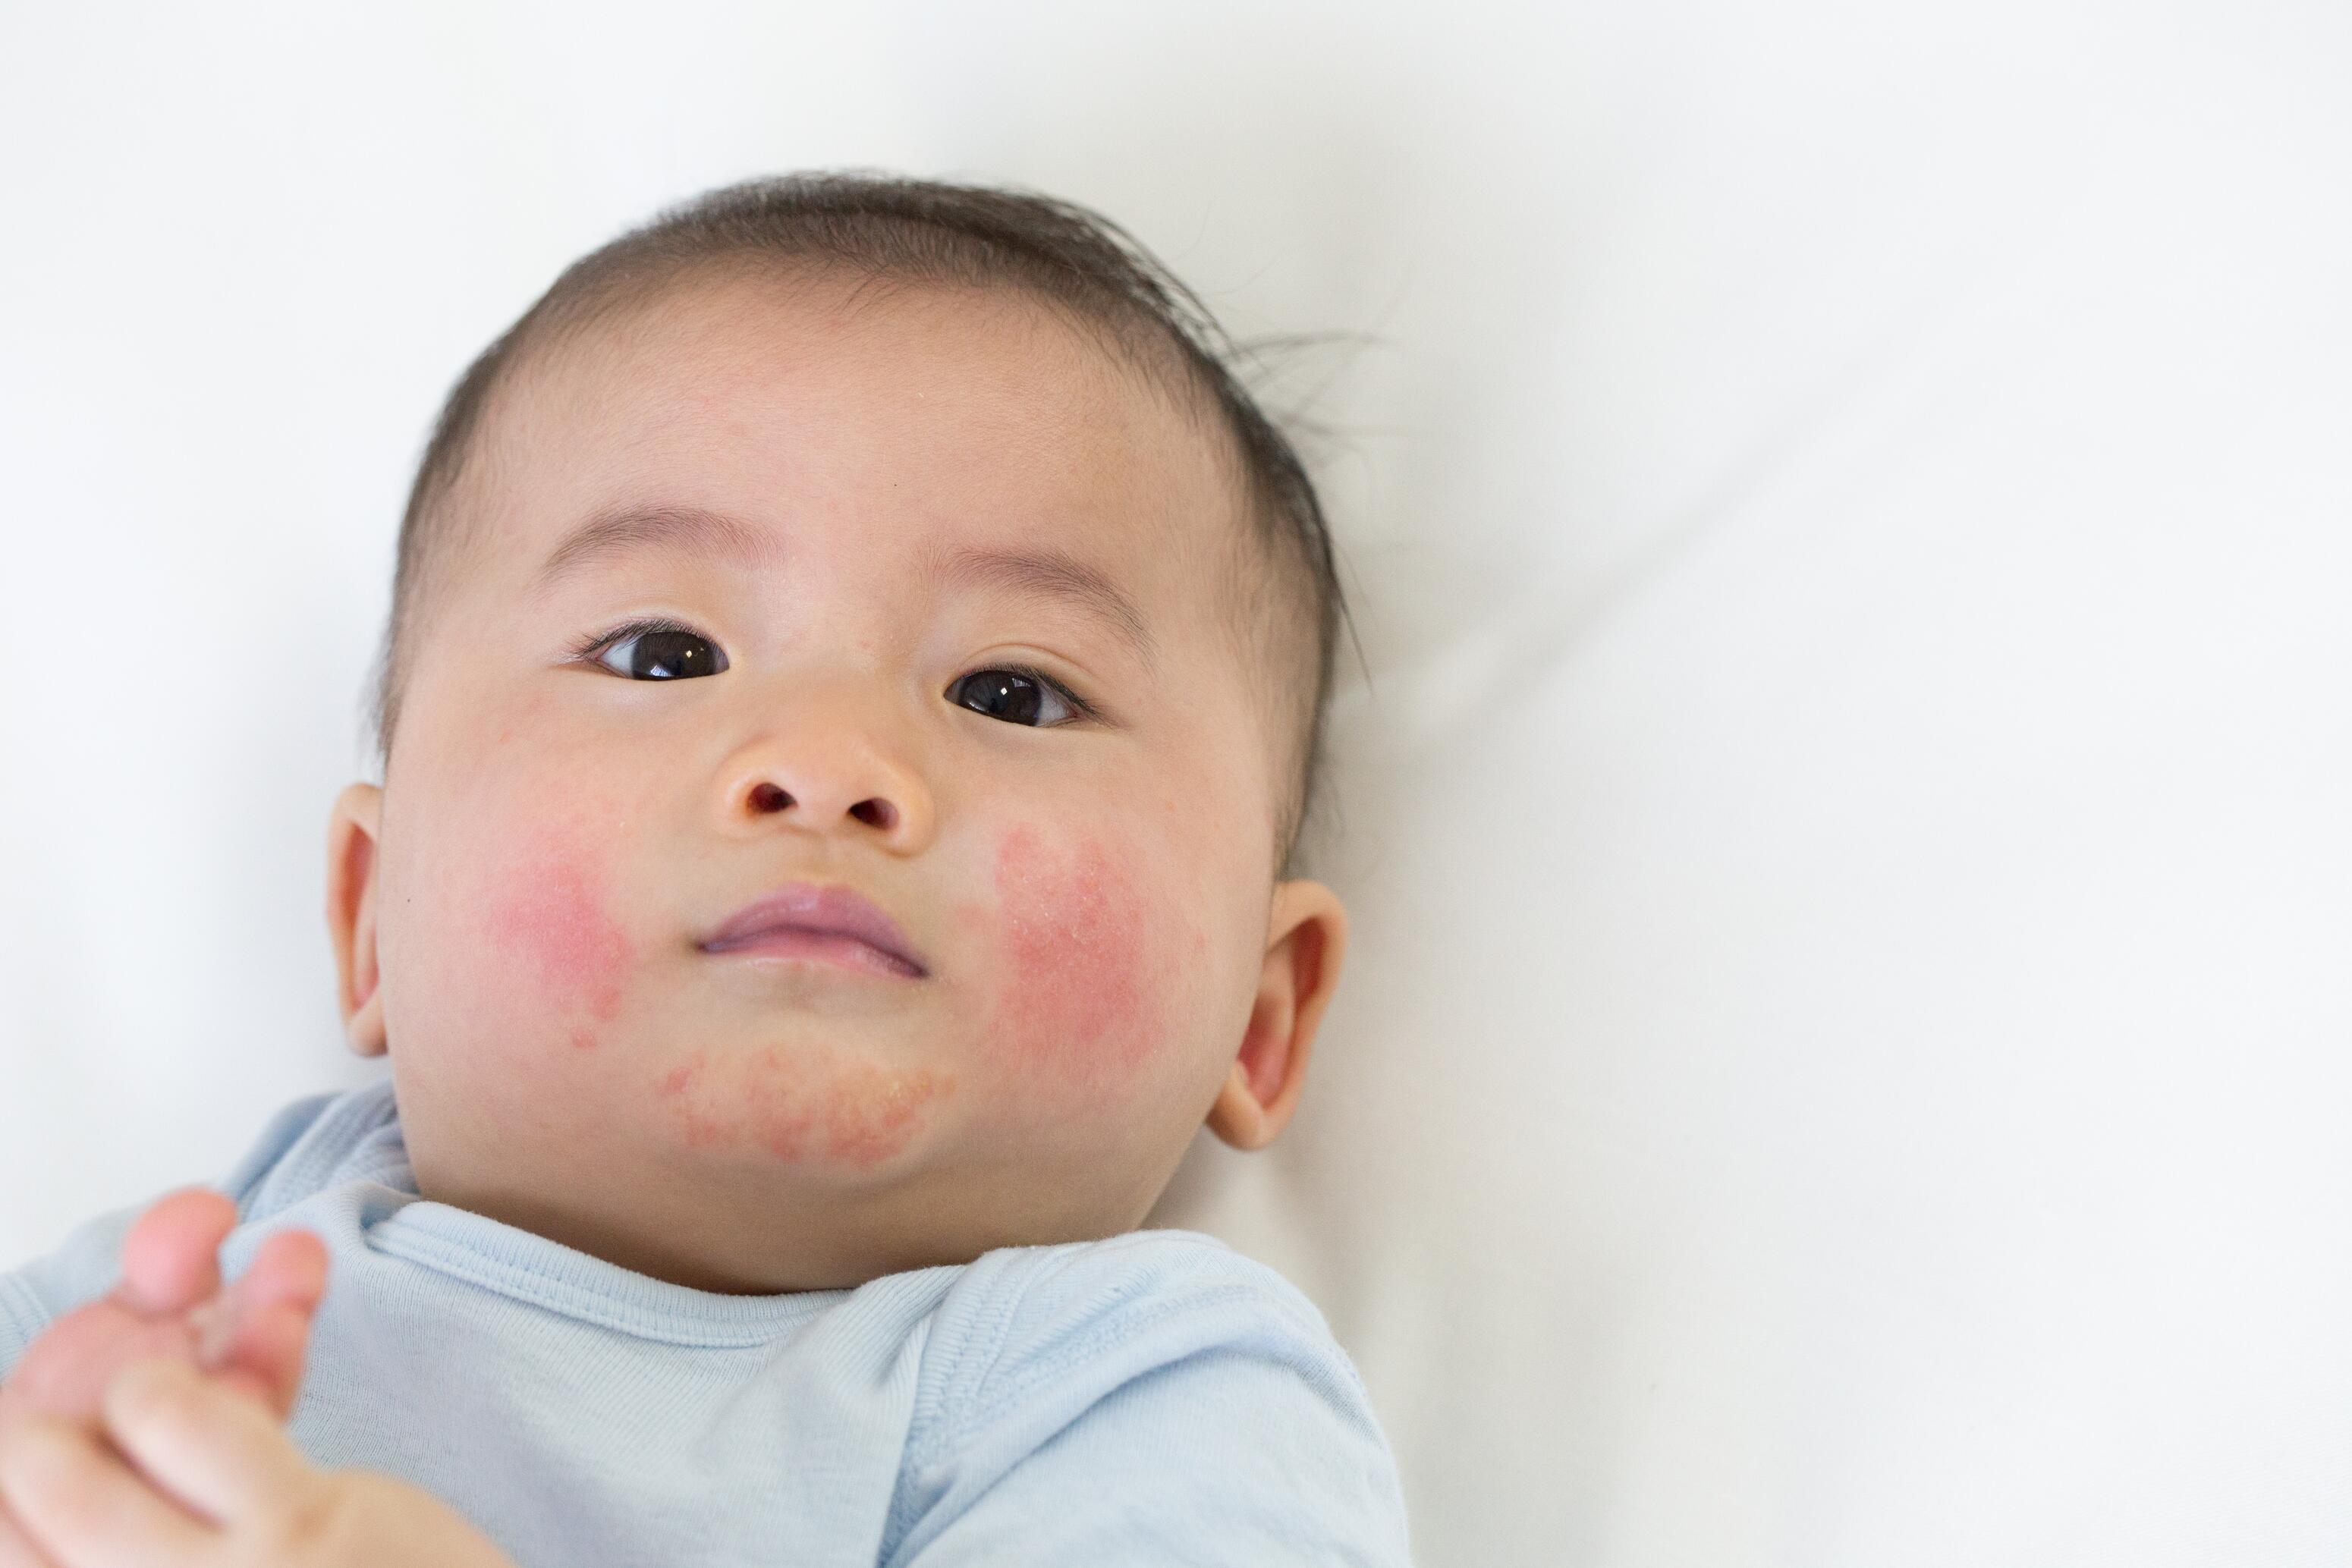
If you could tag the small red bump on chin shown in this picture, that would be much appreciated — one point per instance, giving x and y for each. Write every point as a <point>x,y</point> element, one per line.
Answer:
<point>583,1038</point>
<point>606,1003</point>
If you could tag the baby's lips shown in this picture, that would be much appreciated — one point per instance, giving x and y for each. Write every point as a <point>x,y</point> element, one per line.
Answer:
<point>805,906</point>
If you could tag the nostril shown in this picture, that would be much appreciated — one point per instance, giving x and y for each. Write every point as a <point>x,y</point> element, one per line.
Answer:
<point>877,812</point>
<point>768,798</point>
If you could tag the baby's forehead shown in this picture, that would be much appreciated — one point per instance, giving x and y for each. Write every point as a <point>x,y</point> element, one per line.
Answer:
<point>905,411</point>
<point>916,351</point>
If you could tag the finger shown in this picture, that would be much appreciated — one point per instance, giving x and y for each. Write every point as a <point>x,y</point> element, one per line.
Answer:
<point>267,1350</point>
<point>289,1269</point>
<point>170,1258</point>
<point>80,1504</point>
<point>288,1274</point>
<point>16,1550</point>
<point>213,1448</point>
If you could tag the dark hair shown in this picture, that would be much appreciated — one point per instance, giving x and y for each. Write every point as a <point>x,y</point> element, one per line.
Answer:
<point>1284,603</point>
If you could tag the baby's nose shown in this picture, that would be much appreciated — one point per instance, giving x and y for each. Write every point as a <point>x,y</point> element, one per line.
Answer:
<point>832,783</point>
<point>767,797</point>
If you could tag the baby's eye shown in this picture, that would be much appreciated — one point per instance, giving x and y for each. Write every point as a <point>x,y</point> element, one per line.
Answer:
<point>1014,692</point>
<point>656,651</point>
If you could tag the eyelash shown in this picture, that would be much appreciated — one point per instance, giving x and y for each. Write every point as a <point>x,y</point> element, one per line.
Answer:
<point>596,643</point>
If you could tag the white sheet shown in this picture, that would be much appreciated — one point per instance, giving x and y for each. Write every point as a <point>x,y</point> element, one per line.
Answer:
<point>1842,1059</point>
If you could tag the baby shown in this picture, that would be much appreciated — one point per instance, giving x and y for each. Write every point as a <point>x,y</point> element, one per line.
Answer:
<point>780,1065</point>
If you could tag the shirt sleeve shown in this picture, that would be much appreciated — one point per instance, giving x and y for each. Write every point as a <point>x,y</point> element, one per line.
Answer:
<point>82,1268</point>
<point>1157,1399</point>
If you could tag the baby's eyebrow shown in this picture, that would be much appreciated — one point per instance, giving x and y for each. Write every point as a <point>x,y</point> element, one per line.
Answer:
<point>715,535</point>
<point>1045,574</point>
<point>680,530</point>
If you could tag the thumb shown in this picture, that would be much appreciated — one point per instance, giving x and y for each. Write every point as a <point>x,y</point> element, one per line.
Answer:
<point>208,1444</point>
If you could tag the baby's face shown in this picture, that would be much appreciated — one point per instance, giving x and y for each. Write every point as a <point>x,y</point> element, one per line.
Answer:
<point>834,503</point>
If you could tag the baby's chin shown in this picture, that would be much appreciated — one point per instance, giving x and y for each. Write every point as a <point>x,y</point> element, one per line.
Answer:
<point>802,1101</point>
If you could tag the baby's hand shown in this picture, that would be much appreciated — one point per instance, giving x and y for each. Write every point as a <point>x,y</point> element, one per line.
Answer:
<point>251,1338</point>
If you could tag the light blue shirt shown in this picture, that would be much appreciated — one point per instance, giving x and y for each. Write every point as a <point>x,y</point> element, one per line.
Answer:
<point>1152,1398</point>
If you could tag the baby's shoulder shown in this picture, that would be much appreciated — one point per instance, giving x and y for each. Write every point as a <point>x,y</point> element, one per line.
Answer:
<point>1078,1318</point>
<point>1081,1286</point>
<point>1103,1401</point>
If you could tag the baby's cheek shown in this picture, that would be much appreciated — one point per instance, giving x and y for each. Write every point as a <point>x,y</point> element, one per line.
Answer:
<point>1089,993</point>
<point>547,913</point>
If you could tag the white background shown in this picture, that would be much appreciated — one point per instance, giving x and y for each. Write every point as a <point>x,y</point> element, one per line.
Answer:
<point>1843,1058</point>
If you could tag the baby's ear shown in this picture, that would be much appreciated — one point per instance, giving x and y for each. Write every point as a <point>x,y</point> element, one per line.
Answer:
<point>1307,937</point>
<point>354,829</point>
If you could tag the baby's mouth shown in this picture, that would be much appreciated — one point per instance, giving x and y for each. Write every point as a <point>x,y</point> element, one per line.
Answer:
<point>801,921</point>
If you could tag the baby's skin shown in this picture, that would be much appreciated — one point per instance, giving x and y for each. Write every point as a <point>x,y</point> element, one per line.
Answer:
<point>170,1303</point>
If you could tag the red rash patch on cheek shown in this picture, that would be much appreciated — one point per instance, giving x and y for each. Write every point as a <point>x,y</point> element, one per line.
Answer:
<point>551,915</point>
<point>1084,1001</point>
<point>803,1104</point>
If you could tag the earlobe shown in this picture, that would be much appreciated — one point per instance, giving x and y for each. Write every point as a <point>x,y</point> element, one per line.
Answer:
<point>354,833</point>
<point>1307,936</point>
